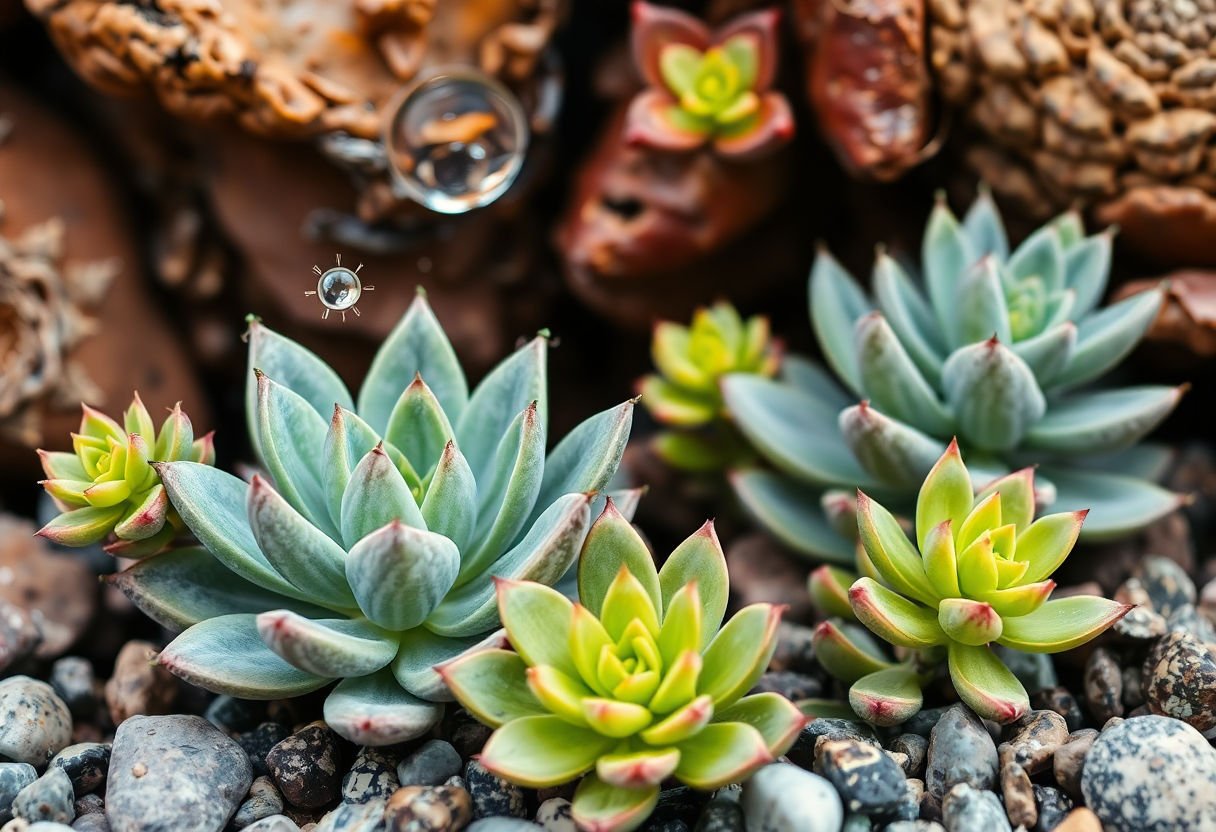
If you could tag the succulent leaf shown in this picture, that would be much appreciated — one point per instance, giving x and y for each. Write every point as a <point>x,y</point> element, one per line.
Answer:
<point>837,302</point>
<point>890,450</point>
<point>1017,497</point>
<point>780,503</point>
<point>700,562</point>
<point>492,685</point>
<point>1047,542</point>
<point>1105,338</point>
<point>847,651</point>
<point>985,684</point>
<point>542,751</point>
<point>739,654</point>
<point>422,653</point>
<point>887,697</point>
<point>1108,420</point>
<point>993,394</point>
<point>450,505</point>
<point>537,620</point>
<point>1086,269</point>
<point>894,618</point>
<point>399,574</point>
<point>909,317</point>
<point>982,310</point>
<point>637,769</point>
<point>586,459</point>
<point>375,496</point>
<point>946,494</point>
<point>721,753</point>
<point>891,380</point>
<point>374,710</point>
<point>1041,257</point>
<point>1048,351</point>
<point>611,543</point>
<point>1062,624</point>
<point>776,718</point>
<point>419,427</point>
<point>829,590</point>
<point>891,552</point>
<point>984,227</point>
<point>969,622</point>
<point>684,625</point>
<point>288,431</point>
<point>335,648</point>
<point>602,807</point>
<point>946,254</point>
<point>1118,505</point>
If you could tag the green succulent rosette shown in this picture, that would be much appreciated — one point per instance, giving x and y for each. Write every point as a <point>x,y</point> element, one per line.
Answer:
<point>684,394</point>
<point>994,345</point>
<point>631,686</point>
<point>978,575</point>
<point>366,549</point>
<point>107,487</point>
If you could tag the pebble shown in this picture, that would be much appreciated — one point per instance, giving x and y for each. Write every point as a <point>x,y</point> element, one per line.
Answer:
<point>49,798</point>
<point>1018,795</point>
<point>908,807</point>
<point>1052,805</point>
<point>678,803</point>
<point>1167,584</point>
<point>13,778</point>
<point>966,809</point>
<point>721,814</point>
<point>174,774</point>
<point>500,824</point>
<point>795,648</point>
<point>1069,761</point>
<point>868,781</point>
<point>915,748</point>
<point>429,765</point>
<point>1180,680</point>
<point>554,815</point>
<point>493,796</point>
<point>782,797</point>
<point>914,826</point>
<point>73,681</point>
<point>1034,670</point>
<point>1036,736</point>
<point>60,588</point>
<point>258,742</point>
<point>90,804</point>
<point>235,715</point>
<point>924,720</point>
<point>1151,774</point>
<point>803,750</point>
<point>274,823</point>
<point>91,823</point>
<point>1133,687</point>
<point>263,801</point>
<point>19,635</point>
<point>306,767</point>
<point>86,763</point>
<point>354,817</point>
<point>1079,820</point>
<point>793,686</point>
<point>960,751</point>
<point>139,686</point>
<point>36,723</point>
<point>428,809</point>
<point>466,734</point>
<point>372,776</point>
<point>1103,685</point>
<point>1140,624</point>
<point>1061,701</point>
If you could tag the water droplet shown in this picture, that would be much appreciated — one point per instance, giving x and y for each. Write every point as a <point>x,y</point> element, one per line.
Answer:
<point>339,288</point>
<point>457,140</point>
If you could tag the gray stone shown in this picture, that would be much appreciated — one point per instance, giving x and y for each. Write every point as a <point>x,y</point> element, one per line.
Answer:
<point>1018,795</point>
<point>1052,806</point>
<point>235,715</point>
<point>967,809</point>
<point>306,766</point>
<point>722,814</point>
<point>803,750</point>
<point>264,801</point>
<point>73,681</point>
<point>915,748</point>
<point>554,815</point>
<point>857,823</point>
<point>1151,774</point>
<point>86,763</point>
<point>782,797</point>
<point>258,742</point>
<point>13,778</point>
<point>914,826</point>
<point>19,634</point>
<point>372,776</point>
<point>868,781</point>
<point>923,721</point>
<point>274,823</point>
<point>1103,685</point>
<point>493,796</point>
<point>354,817</point>
<point>174,774</point>
<point>34,722</point>
<point>90,804</point>
<point>960,751</point>
<point>501,824</point>
<point>430,764</point>
<point>95,822</point>
<point>49,798</point>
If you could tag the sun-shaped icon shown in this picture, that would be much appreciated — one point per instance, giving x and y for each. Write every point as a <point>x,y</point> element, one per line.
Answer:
<point>339,288</point>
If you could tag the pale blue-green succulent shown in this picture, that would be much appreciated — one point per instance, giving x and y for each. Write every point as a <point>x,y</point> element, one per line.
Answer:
<point>367,550</point>
<point>992,346</point>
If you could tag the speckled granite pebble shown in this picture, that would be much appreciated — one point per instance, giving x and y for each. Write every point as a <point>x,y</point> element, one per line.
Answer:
<point>1052,806</point>
<point>554,815</point>
<point>49,798</point>
<point>493,796</point>
<point>1033,739</point>
<point>274,823</point>
<point>1151,774</point>
<point>966,809</point>
<point>1180,680</point>
<point>34,722</point>
<point>264,801</point>
<point>354,817</point>
<point>1167,584</point>
<point>373,775</point>
<point>960,751</point>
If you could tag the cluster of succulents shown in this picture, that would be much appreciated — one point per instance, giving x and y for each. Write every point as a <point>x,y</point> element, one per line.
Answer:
<point>684,394</point>
<point>978,574</point>
<point>108,486</point>
<point>996,349</point>
<point>367,549</point>
<point>633,684</point>
<point>707,87</point>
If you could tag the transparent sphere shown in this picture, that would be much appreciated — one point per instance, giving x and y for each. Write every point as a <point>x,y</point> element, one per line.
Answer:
<point>457,140</point>
<point>339,288</point>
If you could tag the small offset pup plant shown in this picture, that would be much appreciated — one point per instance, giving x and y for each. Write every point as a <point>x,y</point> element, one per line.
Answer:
<point>684,395</point>
<point>978,575</point>
<point>368,549</point>
<point>634,684</point>
<point>108,486</point>
<point>707,88</point>
<point>994,346</point>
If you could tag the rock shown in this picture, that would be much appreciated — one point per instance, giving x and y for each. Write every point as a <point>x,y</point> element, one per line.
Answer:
<point>795,650</point>
<point>1079,820</point>
<point>966,809</point>
<point>354,817</point>
<point>868,781</point>
<point>139,686</point>
<point>793,686</point>
<point>857,823</point>
<point>263,801</point>
<point>1035,738</point>
<point>19,635</point>
<point>1061,701</point>
<point>428,809</point>
<point>960,751</point>
<point>1140,624</point>
<point>13,778</point>
<point>1151,774</point>
<point>235,715</point>
<point>1167,584</point>
<point>466,734</point>
<point>59,589</point>
<point>174,774</point>
<point>722,814</point>
<point>501,824</point>
<point>1018,796</point>
<point>35,721</point>
<point>91,823</point>
<point>914,826</point>
<point>493,796</point>
<point>373,775</point>
<point>1069,761</point>
<point>429,765</point>
<point>678,803</point>
<point>1133,687</point>
<point>1180,680</point>
<point>1053,805</point>
<point>803,750</point>
<point>306,766</point>
<point>1034,670</point>
<point>554,816</point>
<point>908,807</point>
<point>274,823</point>
<point>915,748</point>
<point>73,681</point>
<point>1103,685</point>
<point>258,742</point>
<point>90,804</point>
<point>782,797</point>
<point>85,763</point>
<point>923,721</point>
<point>49,798</point>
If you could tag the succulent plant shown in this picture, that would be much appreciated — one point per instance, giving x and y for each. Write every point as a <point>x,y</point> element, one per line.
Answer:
<point>707,87</point>
<point>632,685</point>
<point>978,575</point>
<point>109,485</point>
<point>367,550</point>
<point>684,395</point>
<point>995,351</point>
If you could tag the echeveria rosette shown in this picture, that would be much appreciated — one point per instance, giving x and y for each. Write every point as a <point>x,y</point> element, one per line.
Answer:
<point>108,486</point>
<point>684,394</point>
<point>979,574</point>
<point>993,346</point>
<point>631,686</point>
<point>366,552</point>
<point>707,87</point>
